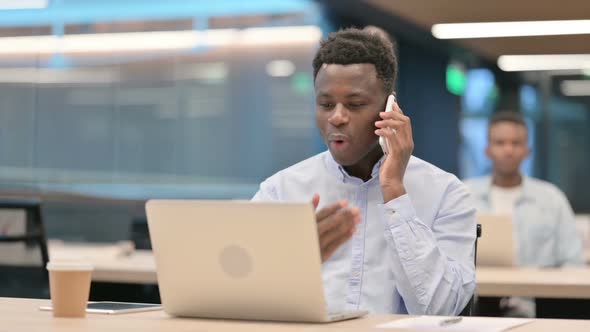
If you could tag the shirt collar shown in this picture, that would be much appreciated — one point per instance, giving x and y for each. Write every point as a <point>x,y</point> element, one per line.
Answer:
<point>526,189</point>
<point>341,173</point>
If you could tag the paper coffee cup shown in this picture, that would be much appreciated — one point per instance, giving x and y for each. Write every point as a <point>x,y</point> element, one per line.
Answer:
<point>69,286</point>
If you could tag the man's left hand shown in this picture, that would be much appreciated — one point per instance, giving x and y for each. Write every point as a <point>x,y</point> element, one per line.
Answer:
<point>396,128</point>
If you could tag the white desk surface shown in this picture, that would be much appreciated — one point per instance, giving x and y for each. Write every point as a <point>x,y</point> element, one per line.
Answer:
<point>120,263</point>
<point>573,283</point>
<point>112,262</point>
<point>23,315</point>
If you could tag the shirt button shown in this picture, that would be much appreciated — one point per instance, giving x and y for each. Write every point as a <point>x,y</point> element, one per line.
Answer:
<point>391,212</point>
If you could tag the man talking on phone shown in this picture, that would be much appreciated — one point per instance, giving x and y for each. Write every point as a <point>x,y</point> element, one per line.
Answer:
<point>396,233</point>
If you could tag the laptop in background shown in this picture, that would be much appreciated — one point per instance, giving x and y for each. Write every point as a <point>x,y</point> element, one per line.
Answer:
<point>239,260</point>
<point>496,247</point>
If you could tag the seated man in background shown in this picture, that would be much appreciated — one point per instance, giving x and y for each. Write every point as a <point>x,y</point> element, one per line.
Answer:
<point>542,217</point>
<point>396,233</point>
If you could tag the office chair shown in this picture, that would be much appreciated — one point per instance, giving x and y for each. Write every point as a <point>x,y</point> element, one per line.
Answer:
<point>34,235</point>
<point>468,310</point>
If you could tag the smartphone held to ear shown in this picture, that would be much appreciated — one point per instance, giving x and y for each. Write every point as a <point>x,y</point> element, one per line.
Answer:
<point>388,108</point>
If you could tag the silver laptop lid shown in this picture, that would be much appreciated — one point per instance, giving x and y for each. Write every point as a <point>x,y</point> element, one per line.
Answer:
<point>242,260</point>
<point>496,247</point>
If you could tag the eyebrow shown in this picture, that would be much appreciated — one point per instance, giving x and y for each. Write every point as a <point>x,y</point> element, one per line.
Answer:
<point>356,94</point>
<point>323,94</point>
<point>350,95</point>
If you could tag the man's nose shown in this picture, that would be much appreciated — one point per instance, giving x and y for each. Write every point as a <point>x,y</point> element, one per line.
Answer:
<point>339,116</point>
<point>509,149</point>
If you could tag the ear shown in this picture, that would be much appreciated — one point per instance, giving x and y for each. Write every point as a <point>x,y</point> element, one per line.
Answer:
<point>488,153</point>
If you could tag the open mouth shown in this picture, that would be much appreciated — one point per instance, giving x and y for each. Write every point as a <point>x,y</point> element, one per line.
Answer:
<point>338,143</point>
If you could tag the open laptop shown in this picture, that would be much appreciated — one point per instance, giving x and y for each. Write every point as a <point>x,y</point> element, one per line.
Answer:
<point>239,260</point>
<point>496,247</point>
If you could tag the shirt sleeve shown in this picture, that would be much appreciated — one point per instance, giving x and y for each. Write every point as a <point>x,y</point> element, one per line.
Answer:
<point>266,192</point>
<point>569,246</point>
<point>433,266</point>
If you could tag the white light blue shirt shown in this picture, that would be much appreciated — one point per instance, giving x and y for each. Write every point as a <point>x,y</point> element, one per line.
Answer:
<point>543,222</point>
<point>413,254</point>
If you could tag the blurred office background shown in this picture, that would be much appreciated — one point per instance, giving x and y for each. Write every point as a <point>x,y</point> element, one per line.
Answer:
<point>104,104</point>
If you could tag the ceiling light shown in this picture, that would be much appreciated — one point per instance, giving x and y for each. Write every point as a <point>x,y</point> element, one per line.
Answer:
<point>280,35</point>
<point>22,4</point>
<point>121,42</point>
<point>280,68</point>
<point>157,40</point>
<point>510,29</point>
<point>56,76</point>
<point>544,62</point>
<point>575,88</point>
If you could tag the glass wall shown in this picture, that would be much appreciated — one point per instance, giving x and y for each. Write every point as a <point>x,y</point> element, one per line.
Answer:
<point>568,145</point>
<point>155,108</point>
<point>479,101</point>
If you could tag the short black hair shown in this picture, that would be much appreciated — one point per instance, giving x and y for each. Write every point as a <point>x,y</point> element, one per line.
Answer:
<point>352,46</point>
<point>507,116</point>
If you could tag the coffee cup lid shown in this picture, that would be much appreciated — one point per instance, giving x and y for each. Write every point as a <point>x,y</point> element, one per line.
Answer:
<point>69,265</point>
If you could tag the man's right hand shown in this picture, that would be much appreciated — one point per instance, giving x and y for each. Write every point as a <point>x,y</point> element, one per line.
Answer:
<point>336,225</point>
